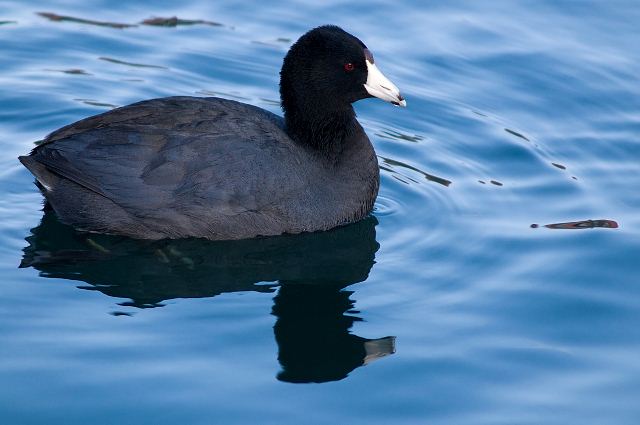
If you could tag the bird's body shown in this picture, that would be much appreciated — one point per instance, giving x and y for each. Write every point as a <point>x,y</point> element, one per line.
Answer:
<point>218,169</point>
<point>210,167</point>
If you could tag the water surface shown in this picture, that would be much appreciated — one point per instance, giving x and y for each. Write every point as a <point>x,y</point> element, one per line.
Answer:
<point>452,304</point>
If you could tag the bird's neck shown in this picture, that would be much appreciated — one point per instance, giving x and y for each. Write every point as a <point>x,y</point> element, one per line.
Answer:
<point>323,129</point>
<point>340,145</point>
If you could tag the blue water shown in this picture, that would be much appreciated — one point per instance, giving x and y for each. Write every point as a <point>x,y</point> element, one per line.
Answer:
<point>519,113</point>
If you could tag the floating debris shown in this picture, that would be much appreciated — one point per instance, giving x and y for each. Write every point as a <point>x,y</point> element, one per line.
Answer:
<point>515,133</point>
<point>495,182</point>
<point>137,65</point>
<point>482,182</point>
<point>61,18</point>
<point>120,313</point>
<point>560,166</point>
<point>174,21</point>
<point>8,22</point>
<point>283,40</point>
<point>584,224</point>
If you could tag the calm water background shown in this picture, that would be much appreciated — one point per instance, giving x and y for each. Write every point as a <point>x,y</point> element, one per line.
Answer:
<point>495,322</point>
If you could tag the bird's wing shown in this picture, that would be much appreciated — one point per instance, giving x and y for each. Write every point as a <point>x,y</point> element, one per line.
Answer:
<point>177,153</point>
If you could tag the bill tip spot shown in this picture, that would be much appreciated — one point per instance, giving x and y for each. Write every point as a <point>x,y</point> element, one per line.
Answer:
<point>402,102</point>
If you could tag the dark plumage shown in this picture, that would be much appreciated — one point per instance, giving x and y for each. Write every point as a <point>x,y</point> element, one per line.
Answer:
<point>219,169</point>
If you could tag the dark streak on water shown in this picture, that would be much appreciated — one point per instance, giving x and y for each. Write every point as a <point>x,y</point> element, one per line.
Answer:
<point>61,18</point>
<point>398,164</point>
<point>96,103</point>
<point>515,133</point>
<point>175,21</point>
<point>70,71</point>
<point>584,224</point>
<point>560,166</point>
<point>137,65</point>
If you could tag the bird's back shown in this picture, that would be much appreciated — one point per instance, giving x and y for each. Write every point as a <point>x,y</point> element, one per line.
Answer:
<point>172,167</point>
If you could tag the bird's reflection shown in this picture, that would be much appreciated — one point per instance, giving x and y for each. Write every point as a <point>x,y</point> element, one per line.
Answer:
<point>313,311</point>
<point>312,332</point>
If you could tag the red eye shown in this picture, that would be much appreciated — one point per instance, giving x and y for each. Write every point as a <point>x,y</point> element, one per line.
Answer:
<point>349,67</point>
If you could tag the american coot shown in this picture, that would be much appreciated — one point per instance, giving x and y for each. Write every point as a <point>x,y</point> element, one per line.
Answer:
<point>213,168</point>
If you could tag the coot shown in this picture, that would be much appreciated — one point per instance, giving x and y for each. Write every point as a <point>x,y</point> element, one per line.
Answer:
<point>213,168</point>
